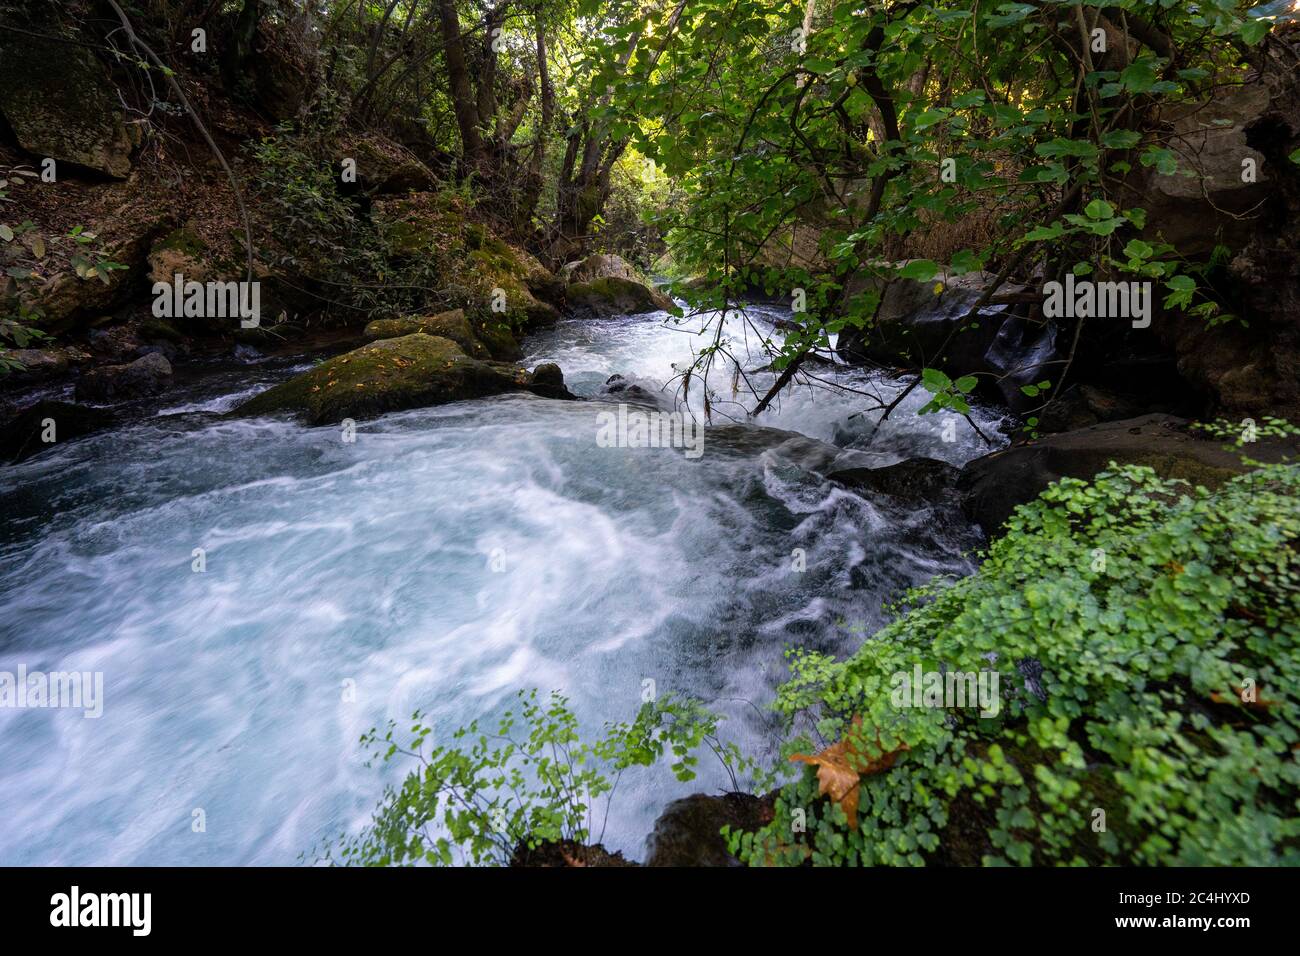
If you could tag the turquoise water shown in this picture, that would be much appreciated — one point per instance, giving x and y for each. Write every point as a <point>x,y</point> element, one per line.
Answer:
<point>347,583</point>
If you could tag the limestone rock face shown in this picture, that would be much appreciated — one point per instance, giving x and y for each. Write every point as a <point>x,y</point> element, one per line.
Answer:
<point>60,103</point>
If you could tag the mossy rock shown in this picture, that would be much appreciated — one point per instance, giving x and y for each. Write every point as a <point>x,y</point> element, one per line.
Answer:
<point>160,329</point>
<point>614,295</point>
<point>450,325</point>
<point>60,102</point>
<point>479,263</point>
<point>495,333</point>
<point>390,375</point>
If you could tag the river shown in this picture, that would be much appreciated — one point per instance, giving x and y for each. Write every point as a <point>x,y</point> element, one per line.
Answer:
<point>446,558</point>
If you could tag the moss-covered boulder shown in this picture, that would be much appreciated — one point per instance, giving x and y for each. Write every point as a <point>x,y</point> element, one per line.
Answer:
<point>496,335</point>
<point>391,375</point>
<point>613,295</point>
<point>59,102</point>
<point>450,325</point>
<point>182,252</point>
<point>600,266</point>
<point>493,281</point>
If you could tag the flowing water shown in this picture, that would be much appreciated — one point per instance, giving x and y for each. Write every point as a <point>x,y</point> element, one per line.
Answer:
<point>445,559</point>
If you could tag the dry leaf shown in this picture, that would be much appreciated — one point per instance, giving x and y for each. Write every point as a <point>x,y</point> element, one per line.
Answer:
<point>841,767</point>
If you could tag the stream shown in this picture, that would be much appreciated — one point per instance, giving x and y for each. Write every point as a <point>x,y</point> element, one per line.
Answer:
<point>447,558</point>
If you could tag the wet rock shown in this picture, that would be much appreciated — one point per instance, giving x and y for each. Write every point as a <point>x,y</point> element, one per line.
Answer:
<point>498,338</point>
<point>145,376</point>
<point>915,327</point>
<point>611,295</point>
<point>59,101</point>
<point>688,833</point>
<point>913,480</point>
<point>992,486</point>
<point>548,381</point>
<point>566,853</point>
<point>391,375</point>
<point>25,434</point>
<point>450,325</point>
<point>625,391</point>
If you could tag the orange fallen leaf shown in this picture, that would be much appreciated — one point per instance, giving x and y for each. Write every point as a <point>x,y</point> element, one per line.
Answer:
<point>841,767</point>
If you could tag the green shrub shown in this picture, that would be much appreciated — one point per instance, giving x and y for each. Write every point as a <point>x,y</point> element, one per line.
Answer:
<point>531,781</point>
<point>1146,638</point>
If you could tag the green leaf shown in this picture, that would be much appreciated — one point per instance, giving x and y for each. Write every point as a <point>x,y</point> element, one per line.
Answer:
<point>1040,233</point>
<point>1139,76</point>
<point>1099,209</point>
<point>922,270</point>
<point>1121,139</point>
<point>934,380</point>
<point>1252,31</point>
<point>1137,249</point>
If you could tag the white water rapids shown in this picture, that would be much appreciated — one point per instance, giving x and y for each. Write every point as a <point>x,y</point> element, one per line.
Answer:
<point>371,562</point>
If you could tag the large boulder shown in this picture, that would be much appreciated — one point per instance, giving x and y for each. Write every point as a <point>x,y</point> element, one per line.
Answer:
<point>450,325</point>
<point>601,286</point>
<point>610,296</point>
<point>147,375</point>
<point>60,103</point>
<point>385,168</point>
<point>600,266</point>
<point>395,374</point>
<point>1210,141</point>
<point>1212,202</point>
<point>496,283</point>
<point>992,486</point>
<point>45,425</point>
